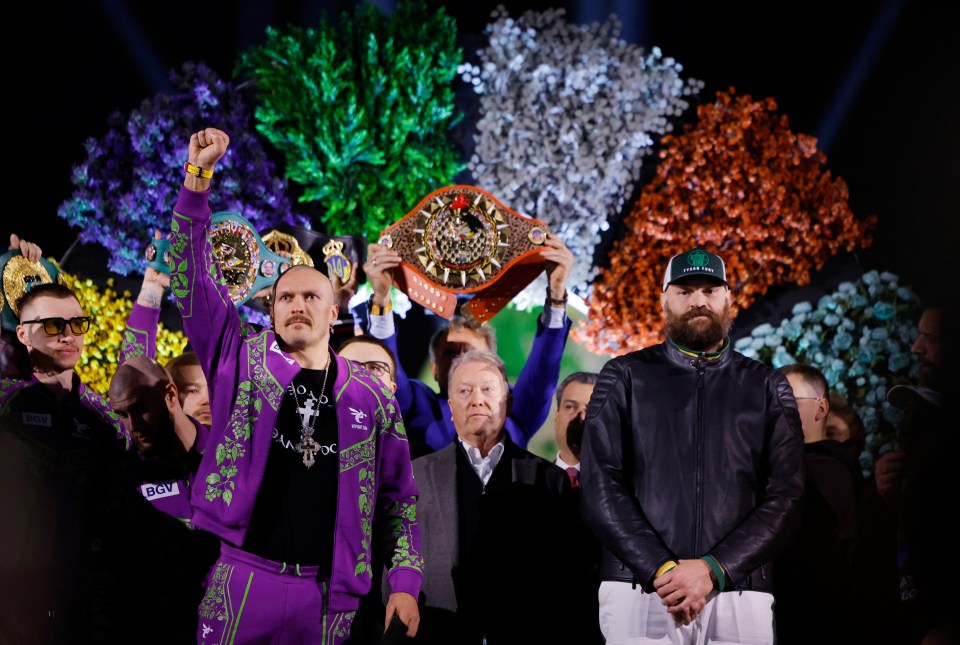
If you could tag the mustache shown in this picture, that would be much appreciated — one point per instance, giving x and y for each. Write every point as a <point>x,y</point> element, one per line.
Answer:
<point>698,311</point>
<point>295,318</point>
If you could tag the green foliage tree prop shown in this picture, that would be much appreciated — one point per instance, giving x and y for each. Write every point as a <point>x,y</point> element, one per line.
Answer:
<point>361,111</point>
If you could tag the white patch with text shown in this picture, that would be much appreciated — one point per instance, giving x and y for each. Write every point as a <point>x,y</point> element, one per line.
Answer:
<point>160,490</point>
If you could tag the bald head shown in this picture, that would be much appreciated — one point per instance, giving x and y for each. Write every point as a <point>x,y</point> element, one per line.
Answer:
<point>139,371</point>
<point>142,394</point>
<point>303,313</point>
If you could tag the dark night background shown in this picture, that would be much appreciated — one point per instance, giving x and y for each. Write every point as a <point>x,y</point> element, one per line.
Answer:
<point>874,81</point>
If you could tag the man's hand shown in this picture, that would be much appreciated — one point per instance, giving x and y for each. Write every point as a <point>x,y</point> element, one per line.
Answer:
<point>683,590</point>
<point>559,261</point>
<point>405,606</point>
<point>153,285</point>
<point>207,147</point>
<point>379,267</point>
<point>889,472</point>
<point>29,250</point>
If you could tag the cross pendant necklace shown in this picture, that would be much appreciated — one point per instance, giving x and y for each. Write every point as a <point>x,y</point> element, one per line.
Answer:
<point>308,417</point>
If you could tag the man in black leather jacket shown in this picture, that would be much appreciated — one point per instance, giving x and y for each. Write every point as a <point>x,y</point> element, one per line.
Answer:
<point>691,474</point>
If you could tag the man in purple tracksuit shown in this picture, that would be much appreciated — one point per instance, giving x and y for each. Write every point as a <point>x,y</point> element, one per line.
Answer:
<point>307,459</point>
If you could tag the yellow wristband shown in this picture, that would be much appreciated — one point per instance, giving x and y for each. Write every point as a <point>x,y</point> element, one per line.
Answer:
<point>377,310</point>
<point>197,171</point>
<point>666,566</point>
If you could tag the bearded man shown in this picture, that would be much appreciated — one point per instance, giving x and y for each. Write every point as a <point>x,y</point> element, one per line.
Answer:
<point>691,474</point>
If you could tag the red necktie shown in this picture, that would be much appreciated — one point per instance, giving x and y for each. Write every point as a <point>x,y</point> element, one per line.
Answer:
<point>574,474</point>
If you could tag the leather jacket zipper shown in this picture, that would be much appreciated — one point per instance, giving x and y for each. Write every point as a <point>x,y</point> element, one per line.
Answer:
<point>697,363</point>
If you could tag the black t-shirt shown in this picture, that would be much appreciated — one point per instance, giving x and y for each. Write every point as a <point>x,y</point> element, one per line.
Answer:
<point>296,507</point>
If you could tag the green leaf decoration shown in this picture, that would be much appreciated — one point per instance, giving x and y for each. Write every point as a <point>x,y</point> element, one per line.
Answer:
<point>361,111</point>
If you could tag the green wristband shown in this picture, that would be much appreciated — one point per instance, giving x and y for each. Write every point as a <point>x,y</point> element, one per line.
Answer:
<point>717,570</point>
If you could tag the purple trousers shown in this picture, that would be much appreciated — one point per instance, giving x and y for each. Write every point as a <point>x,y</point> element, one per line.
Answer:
<point>253,600</point>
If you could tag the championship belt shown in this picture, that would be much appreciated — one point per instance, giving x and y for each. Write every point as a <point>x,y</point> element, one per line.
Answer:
<point>462,240</point>
<point>246,263</point>
<point>19,275</point>
<point>157,255</point>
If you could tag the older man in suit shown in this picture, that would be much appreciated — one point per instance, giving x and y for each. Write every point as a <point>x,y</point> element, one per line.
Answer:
<point>491,516</point>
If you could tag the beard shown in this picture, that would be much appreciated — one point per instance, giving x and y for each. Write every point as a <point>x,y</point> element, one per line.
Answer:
<point>698,336</point>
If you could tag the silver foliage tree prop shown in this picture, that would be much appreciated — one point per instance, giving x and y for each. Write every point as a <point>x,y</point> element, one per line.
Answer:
<point>567,115</point>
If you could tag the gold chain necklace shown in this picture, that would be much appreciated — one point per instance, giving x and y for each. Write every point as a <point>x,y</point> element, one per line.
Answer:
<point>308,418</point>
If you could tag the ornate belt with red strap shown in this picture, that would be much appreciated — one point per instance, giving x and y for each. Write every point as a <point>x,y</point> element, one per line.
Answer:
<point>460,240</point>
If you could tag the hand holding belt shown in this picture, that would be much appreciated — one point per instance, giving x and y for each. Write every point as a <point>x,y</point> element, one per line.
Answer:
<point>459,240</point>
<point>19,275</point>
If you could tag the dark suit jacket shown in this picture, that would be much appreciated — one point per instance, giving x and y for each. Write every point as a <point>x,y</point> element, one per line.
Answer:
<point>530,566</point>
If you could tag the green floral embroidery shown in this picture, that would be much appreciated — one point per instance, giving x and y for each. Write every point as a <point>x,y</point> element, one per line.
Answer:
<point>179,284</point>
<point>214,604</point>
<point>134,342</point>
<point>267,385</point>
<point>400,527</point>
<point>233,448</point>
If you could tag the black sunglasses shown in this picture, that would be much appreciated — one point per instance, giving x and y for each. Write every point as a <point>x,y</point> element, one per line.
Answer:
<point>55,326</point>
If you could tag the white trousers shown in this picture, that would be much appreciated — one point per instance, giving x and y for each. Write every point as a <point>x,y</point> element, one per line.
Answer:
<point>629,616</point>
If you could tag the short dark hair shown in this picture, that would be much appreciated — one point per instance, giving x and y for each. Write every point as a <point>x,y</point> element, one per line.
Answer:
<point>186,359</point>
<point>371,340</point>
<point>49,289</point>
<point>810,375</point>
<point>486,332</point>
<point>587,378</point>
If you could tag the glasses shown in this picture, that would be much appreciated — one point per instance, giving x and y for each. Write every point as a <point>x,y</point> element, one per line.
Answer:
<point>378,368</point>
<point>808,398</point>
<point>54,326</point>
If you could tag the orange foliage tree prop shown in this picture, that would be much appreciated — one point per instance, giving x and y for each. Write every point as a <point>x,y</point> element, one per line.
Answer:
<point>738,183</point>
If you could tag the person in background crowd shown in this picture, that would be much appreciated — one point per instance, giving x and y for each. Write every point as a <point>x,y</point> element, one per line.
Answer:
<point>823,553</point>
<point>582,558</point>
<point>66,487</point>
<point>691,474</point>
<point>13,355</point>
<point>493,518</point>
<point>373,354</point>
<point>844,425</point>
<point>573,395</point>
<point>918,488</point>
<point>169,444</point>
<point>425,411</point>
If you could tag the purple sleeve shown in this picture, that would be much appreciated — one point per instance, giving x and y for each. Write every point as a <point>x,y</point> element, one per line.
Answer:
<point>397,504</point>
<point>210,318</point>
<point>537,382</point>
<point>140,333</point>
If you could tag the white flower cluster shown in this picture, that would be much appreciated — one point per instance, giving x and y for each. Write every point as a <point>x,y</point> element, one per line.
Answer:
<point>860,338</point>
<point>567,114</point>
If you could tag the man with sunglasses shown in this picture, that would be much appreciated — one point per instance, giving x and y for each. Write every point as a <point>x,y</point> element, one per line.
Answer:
<point>64,481</point>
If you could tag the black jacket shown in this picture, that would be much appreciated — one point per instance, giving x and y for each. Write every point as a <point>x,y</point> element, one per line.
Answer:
<point>684,457</point>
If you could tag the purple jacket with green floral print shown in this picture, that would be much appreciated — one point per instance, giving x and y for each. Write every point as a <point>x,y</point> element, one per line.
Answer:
<point>247,375</point>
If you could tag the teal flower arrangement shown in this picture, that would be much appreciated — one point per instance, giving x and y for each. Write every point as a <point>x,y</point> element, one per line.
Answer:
<point>860,338</point>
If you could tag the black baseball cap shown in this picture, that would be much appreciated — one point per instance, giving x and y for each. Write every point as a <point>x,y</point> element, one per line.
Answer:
<point>694,263</point>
